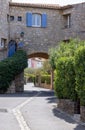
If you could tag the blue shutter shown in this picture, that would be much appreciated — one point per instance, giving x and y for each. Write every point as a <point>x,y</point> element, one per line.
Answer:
<point>29,19</point>
<point>11,48</point>
<point>11,51</point>
<point>44,20</point>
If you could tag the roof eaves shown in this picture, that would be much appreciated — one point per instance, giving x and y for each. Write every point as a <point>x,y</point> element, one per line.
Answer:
<point>46,6</point>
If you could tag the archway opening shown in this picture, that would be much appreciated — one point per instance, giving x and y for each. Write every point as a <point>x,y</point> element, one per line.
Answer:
<point>38,71</point>
<point>39,55</point>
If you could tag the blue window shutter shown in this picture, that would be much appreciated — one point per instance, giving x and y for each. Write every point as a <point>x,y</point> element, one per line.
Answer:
<point>11,50</point>
<point>29,19</point>
<point>44,20</point>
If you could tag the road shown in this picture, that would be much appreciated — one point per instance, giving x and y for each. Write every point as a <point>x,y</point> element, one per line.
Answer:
<point>35,109</point>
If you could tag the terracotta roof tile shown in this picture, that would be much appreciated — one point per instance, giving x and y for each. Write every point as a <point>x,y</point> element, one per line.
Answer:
<point>45,6</point>
<point>48,6</point>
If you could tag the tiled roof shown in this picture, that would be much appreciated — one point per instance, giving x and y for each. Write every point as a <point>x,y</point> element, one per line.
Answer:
<point>46,6</point>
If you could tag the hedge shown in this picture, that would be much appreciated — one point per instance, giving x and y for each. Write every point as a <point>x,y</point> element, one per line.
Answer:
<point>80,73</point>
<point>31,78</point>
<point>65,78</point>
<point>45,79</point>
<point>11,67</point>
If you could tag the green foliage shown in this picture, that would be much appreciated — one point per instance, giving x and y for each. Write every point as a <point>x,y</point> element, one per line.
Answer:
<point>46,67</point>
<point>45,79</point>
<point>65,78</point>
<point>32,74</point>
<point>64,50</point>
<point>11,67</point>
<point>52,56</point>
<point>80,73</point>
<point>28,72</point>
<point>69,80</point>
<point>31,78</point>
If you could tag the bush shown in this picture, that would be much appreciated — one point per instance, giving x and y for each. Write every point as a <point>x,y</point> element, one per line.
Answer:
<point>65,78</point>
<point>80,73</point>
<point>45,79</point>
<point>31,78</point>
<point>64,50</point>
<point>11,67</point>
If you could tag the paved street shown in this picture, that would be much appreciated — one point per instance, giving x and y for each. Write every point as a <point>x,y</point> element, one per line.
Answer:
<point>35,109</point>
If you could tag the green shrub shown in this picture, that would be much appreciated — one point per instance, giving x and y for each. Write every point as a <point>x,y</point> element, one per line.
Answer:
<point>64,50</point>
<point>45,79</point>
<point>11,67</point>
<point>80,73</point>
<point>65,78</point>
<point>31,77</point>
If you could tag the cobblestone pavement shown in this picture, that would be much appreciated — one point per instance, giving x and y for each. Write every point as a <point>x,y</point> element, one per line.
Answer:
<point>35,109</point>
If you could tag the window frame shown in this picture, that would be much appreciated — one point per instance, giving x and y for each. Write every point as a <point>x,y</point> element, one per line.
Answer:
<point>36,20</point>
<point>3,43</point>
<point>19,18</point>
<point>11,18</point>
<point>67,20</point>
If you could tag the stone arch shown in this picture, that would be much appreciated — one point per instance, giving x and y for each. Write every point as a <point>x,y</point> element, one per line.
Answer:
<point>41,55</point>
<point>38,54</point>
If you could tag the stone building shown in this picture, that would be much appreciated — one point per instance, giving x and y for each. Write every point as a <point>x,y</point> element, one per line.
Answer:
<point>39,26</point>
<point>4,28</point>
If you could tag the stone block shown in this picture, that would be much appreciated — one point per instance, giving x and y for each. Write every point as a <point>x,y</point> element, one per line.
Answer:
<point>66,105</point>
<point>82,112</point>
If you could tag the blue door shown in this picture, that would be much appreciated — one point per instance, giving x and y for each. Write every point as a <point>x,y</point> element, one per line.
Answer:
<point>12,46</point>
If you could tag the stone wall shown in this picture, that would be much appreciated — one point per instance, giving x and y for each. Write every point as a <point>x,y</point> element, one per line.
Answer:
<point>82,116</point>
<point>36,39</point>
<point>17,85</point>
<point>4,25</point>
<point>76,30</point>
<point>41,39</point>
<point>66,106</point>
<point>11,89</point>
<point>43,85</point>
<point>19,82</point>
<point>3,53</point>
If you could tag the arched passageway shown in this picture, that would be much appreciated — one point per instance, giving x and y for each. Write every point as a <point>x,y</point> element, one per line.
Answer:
<point>39,56</point>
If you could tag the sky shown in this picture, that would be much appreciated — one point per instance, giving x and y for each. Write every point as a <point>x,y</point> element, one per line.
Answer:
<point>60,2</point>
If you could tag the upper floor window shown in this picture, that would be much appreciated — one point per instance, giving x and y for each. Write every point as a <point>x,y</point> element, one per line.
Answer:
<point>11,18</point>
<point>67,20</point>
<point>36,20</point>
<point>19,18</point>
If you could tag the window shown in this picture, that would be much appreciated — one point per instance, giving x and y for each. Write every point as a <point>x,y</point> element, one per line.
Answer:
<point>3,43</point>
<point>36,20</point>
<point>66,41</point>
<point>19,18</point>
<point>67,20</point>
<point>11,18</point>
